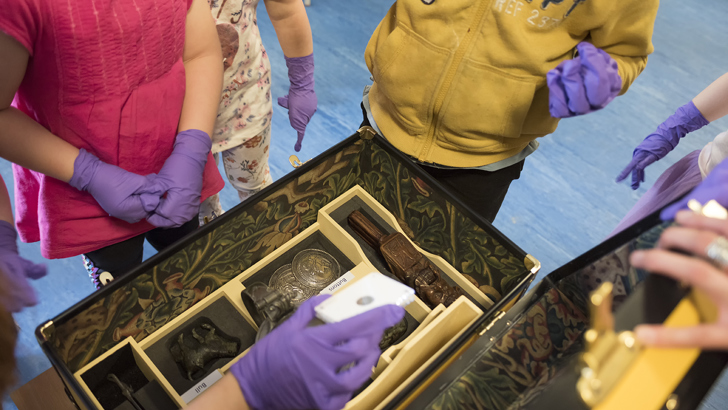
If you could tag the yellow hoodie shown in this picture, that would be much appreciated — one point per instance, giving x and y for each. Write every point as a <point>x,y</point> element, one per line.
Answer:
<point>462,83</point>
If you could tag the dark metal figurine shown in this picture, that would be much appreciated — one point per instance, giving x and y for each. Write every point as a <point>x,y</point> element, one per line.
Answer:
<point>210,347</point>
<point>264,303</point>
<point>408,265</point>
<point>267,306</point>
<point>126,390</point>
<point>393,334</point>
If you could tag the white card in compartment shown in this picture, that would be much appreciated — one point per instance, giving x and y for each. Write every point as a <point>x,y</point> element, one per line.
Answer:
<point>200,387</point>
<point>338,283</point>
<point>369,292</point>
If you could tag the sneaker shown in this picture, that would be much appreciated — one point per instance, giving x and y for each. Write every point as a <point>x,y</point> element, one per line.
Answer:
<point>99,277</point>
<point>204,220</point>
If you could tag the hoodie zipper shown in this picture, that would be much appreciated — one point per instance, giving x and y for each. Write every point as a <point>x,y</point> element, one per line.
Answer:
<point>458,58</point>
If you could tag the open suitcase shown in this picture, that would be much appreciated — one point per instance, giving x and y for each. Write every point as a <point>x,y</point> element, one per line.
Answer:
<point>490,349</point>
<point>131,327</point>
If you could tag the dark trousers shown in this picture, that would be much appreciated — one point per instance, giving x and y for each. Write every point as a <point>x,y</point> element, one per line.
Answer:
<point>482,191</point>
<point>124,256</point>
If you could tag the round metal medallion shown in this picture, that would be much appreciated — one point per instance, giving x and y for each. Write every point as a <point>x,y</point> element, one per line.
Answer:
<point>315,268</point>
<point>284,281</point>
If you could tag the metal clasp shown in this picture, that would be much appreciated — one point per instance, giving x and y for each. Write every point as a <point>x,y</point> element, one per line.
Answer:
<point>490,325</point>
<point>295,162</point>
<point>608,354</point>
<point>366,132</point>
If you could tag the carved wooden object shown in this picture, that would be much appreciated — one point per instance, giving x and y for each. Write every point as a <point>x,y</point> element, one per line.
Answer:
<point>409,265</point>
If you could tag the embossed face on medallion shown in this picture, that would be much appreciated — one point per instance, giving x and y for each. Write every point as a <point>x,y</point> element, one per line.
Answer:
<point>285,282</point>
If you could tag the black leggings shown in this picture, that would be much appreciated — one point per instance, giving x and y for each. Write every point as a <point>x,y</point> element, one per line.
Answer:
<point>482,191</point>
<point>123,256</point>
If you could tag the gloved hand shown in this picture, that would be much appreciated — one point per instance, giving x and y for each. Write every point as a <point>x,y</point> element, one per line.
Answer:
<point>584,84</point>
<point>295,366</point>
<point>301,100</point>
<point>19,293</point>
<point>181,177</point>
<point>658,144</point>
<point>714,186</point>
<point>123,194</point>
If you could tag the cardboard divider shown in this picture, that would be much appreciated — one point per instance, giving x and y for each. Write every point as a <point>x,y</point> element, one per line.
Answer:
<point>416,353</point>
<point>128,362</point>
<point>428,330</point>
<point>391,353</point>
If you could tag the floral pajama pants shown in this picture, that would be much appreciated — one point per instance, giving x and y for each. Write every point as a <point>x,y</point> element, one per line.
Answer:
<point>246,167</point>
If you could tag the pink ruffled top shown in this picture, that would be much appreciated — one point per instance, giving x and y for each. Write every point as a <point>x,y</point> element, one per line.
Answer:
<point>106,76</point>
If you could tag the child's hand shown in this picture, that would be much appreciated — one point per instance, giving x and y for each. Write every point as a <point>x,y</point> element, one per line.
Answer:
<point>123,194</point>
<point>658,144</point>
<point>301,101</point>
<point>584,84</point>
<point>696,235</point>
<point>181,178</point>
<point>714,186</point>
<point>20,293</point>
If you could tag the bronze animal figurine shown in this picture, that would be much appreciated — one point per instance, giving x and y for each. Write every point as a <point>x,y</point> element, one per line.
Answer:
<point>393,334</point>
<point>211,347</point>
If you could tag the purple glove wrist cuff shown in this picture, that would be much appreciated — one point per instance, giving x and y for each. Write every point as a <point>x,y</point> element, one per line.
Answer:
<point>84,168</point>
<point>194,142</point>
<point>250,397</point>
<point>667,135</point>
<point>8,236</point>
<point>300,72</point>
<point>685,120</point>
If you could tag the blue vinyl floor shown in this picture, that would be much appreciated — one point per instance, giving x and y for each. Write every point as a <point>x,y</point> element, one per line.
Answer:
<point>566,200</point>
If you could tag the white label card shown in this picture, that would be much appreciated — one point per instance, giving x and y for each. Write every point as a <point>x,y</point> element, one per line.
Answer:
<point>348,277</point>
<point>208,381</point>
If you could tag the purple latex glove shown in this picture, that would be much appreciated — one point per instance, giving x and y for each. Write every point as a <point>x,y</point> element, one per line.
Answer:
<point>181,177</point>
<point>301,101</point>
<point>584,84</point>
<point>20,294</point>
<point>296,366</point>
<point>123,194</point>
<point>714,186</point>
<point>658,144</point>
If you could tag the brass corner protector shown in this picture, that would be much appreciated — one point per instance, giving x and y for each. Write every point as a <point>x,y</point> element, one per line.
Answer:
<point>532,264</point>
<point>366,132</point>
<point>47,330</point>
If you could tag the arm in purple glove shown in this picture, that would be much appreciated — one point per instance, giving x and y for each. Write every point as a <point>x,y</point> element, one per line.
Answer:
<point>298,367</point>
<point>181,177</point>
<point>301,100</point>
<point>17,270</point>
<point>714,186</point>
<point>125,195</point>
<point>658,144</point>
<point>711,104</point>
<point>584,84</point>
<point>26,143</point>
<point>19,294</point>
<point>294,34</point>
